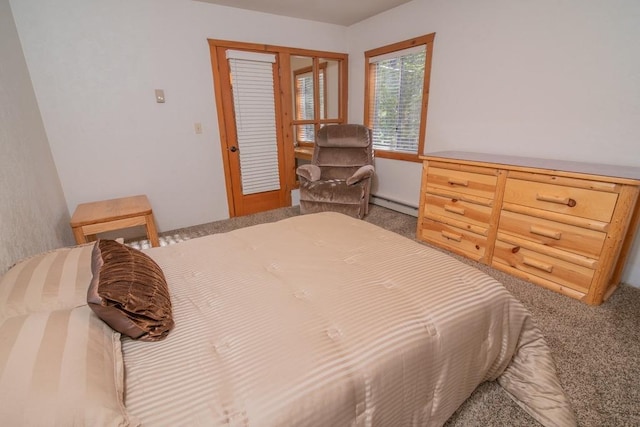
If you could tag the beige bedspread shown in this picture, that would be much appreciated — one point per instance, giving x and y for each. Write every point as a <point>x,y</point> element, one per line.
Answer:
<point>325,320</point>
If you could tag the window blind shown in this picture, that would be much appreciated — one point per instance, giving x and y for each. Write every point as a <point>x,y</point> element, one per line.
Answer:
<point>305,105</point>
<point>396,108</point>
<point>255,116</point>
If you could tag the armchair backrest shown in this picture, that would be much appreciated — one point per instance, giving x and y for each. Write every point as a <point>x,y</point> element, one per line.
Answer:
<point>340,150</point>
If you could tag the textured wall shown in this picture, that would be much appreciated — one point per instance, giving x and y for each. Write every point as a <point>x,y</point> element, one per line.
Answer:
<point>33,212</point>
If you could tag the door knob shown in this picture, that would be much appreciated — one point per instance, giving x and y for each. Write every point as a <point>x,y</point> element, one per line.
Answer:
<point>233,149</point>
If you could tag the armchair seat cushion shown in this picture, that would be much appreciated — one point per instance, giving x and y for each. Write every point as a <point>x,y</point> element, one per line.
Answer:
<point>332,191</point>
<point>333,195</point>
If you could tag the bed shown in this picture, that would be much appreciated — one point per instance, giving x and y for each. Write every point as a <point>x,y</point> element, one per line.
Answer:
<point>315,320</point>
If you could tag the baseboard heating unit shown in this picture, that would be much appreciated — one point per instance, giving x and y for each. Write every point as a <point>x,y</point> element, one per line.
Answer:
<point>395,205</point>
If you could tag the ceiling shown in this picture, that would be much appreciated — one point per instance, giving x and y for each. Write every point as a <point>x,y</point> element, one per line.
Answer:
<point>340,12</point>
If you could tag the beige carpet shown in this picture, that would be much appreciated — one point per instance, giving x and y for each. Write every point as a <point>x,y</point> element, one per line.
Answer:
<point>596,349</point>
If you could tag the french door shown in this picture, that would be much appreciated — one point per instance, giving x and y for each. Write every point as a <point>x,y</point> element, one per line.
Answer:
<point>257,94</point>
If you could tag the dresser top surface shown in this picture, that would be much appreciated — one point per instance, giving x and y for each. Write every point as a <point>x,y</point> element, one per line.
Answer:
<point>625,172</point>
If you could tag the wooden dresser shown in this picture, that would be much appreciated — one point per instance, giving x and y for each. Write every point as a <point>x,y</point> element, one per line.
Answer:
<point>567,226</point>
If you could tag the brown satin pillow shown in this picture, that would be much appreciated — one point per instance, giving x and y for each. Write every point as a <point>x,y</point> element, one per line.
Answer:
<point>128,291</point>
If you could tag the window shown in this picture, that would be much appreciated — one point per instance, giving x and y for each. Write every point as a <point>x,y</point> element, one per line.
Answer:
<point>304,101</point>
<point>396,97</point>
<point>318,88</point>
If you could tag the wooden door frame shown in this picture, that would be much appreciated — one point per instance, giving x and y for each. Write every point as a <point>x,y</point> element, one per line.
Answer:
<point>286,167</point>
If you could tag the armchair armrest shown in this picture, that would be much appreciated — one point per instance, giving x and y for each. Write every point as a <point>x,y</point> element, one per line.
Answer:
<point>364,172</point>
<point>308,172</point>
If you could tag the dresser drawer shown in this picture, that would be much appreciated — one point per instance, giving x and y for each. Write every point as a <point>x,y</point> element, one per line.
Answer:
<point>464,182</point>
<point>457,210</point>
<point>536,264</point>
<point>582,202</point>
<point>455,239</point>
<point>553,234</point>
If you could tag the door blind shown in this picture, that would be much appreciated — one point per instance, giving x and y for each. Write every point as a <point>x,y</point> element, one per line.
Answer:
<point>255,116</point>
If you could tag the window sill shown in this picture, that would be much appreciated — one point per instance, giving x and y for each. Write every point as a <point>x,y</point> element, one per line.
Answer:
<point>408,157</point>
<point>304,153</point>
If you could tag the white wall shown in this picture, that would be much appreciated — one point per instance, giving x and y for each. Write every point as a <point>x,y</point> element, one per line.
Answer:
<point>95,65</point>
<point>33,214</point>
<point>554,79</point>
<point>548,78</point>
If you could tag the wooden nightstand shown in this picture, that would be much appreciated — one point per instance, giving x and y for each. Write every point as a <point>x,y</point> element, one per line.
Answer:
<point>115,214</point>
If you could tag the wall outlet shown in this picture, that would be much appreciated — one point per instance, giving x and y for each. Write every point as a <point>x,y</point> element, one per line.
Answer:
<point>197,127</point>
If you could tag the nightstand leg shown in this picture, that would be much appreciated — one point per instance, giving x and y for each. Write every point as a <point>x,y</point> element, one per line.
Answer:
<point>152,233</point>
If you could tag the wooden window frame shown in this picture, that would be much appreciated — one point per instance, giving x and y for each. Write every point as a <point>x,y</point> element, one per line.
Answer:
<point>318,62</point>
<point>369,94</point>
<point>321,75</point>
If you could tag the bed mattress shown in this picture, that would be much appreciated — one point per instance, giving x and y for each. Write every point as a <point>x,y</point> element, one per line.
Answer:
<point>326,320</point>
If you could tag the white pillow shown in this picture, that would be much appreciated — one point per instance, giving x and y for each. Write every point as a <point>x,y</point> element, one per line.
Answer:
<point>61,368</point>
<point>50,281</point>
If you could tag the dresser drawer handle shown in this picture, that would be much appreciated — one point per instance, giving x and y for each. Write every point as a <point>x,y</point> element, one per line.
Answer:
<point>454,209</point>
<point>460,182</point>
<point>556,199</point>
<point>552,234</point>
<point>537,264</point>
<point>451,236</point>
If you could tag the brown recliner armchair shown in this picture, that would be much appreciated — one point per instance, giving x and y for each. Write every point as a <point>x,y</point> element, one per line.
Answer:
<point>339,176</point>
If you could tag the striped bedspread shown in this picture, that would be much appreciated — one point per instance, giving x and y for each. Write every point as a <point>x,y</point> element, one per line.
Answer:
<point>325,320</point>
